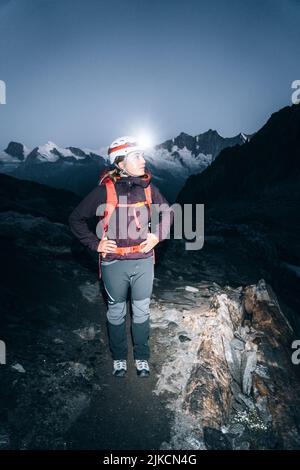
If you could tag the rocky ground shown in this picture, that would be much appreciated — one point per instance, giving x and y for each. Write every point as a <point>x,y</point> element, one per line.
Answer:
<point>222,375</point>
<point>57,390</point>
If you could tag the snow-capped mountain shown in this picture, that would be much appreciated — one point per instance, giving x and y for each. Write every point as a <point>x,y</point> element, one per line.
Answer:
<point>69,168</point>
<point>177,160</point>
<point>173,161</point>
<point>14,153</point>
<point>76,169</point>
<point>209,143</point>
<point>49,152</point>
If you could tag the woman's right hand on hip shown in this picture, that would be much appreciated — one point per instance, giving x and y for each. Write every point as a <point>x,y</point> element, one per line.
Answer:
<point>107,246</point>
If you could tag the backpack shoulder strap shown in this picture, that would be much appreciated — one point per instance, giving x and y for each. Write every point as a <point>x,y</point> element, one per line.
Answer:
<point>111,195</point>
<point>148,195</point>
<point>111,202</point>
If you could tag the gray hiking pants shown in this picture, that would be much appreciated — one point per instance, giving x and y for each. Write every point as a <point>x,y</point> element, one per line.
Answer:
<point>118,276</point>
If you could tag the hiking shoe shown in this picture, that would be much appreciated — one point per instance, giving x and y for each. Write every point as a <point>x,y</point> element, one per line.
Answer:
<point>120,368</point>
<point>142,367</point>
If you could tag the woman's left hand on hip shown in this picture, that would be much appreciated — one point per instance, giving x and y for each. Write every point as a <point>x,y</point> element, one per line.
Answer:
<point>150,243</point>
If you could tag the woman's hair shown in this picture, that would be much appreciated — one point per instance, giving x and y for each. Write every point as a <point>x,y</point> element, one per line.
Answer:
<point>114,173</point>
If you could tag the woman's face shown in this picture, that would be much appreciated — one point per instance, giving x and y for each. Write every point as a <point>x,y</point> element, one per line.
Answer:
<point>134,163</point>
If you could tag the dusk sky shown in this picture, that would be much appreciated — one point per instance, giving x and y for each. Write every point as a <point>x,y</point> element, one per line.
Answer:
<point>83,72</point>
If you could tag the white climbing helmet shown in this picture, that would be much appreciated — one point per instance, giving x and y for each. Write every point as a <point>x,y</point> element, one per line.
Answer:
<point>122,146</point>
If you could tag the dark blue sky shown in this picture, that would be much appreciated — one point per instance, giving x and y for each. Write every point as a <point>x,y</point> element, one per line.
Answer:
<point>83,72</point>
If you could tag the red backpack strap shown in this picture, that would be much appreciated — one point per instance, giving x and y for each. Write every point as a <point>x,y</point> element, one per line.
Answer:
<point>111,202</point>
<point>149,202</point>
<point>148,196</point>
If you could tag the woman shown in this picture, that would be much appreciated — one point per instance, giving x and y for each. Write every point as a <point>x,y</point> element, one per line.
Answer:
<point>125,261</point>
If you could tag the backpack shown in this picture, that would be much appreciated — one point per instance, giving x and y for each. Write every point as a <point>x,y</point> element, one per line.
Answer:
<point>111,204</point>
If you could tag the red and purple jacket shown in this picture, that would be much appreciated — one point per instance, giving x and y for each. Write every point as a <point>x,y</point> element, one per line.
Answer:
<point>132,188</point>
